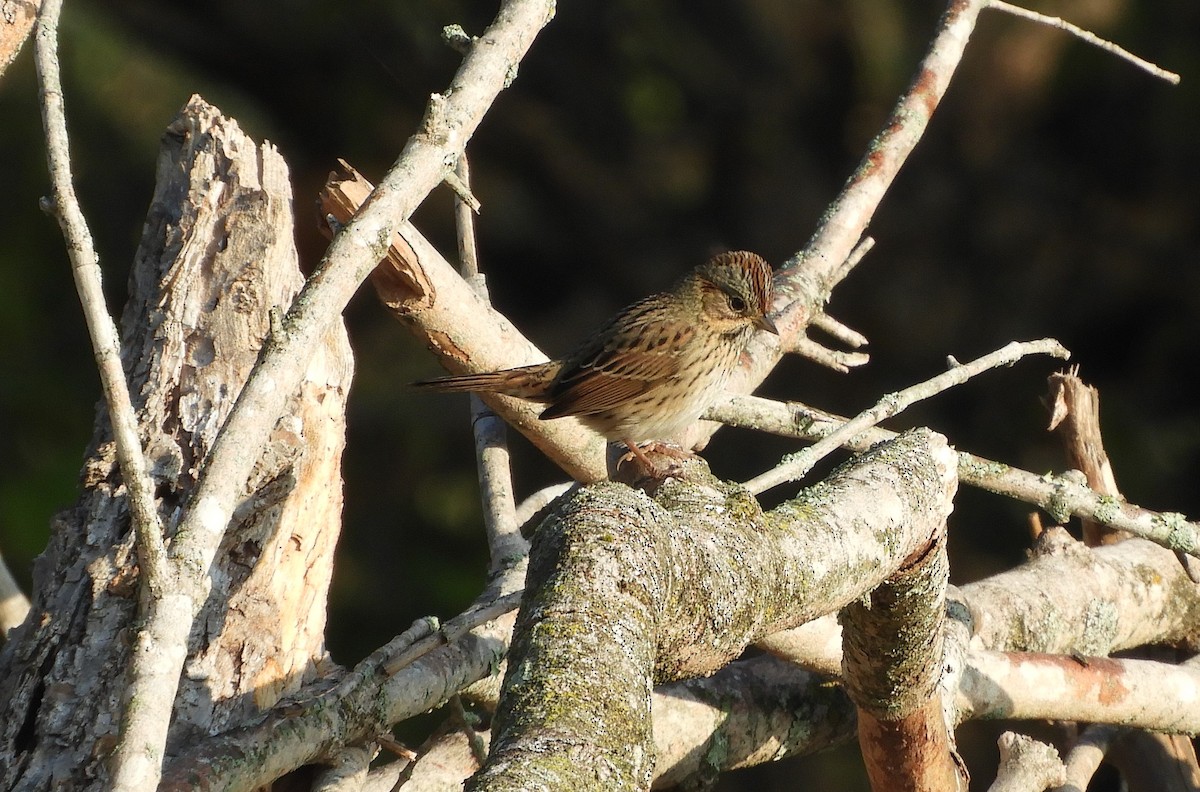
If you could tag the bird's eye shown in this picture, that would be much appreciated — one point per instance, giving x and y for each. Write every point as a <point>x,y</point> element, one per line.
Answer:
<point>737,304</point>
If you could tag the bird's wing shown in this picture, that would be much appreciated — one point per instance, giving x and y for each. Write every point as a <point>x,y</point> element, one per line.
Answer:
<point>608,378</point>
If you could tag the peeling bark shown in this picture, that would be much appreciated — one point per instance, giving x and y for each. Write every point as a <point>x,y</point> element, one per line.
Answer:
<point>216,257</point>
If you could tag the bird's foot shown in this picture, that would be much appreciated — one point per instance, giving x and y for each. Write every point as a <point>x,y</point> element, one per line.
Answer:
<point>652,463</point>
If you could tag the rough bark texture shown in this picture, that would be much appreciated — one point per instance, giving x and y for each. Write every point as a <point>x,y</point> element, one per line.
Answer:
<point>216,257</point>
<point>16,22</point>
<point>1075,412</point>
<point>624,590</point>
<point>893,657</point>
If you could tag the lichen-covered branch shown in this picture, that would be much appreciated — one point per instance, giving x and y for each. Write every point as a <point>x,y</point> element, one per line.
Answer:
<point>891,664</point>
<point>1061,495</point>
<point>1070,598</point>
<point>625,590</point>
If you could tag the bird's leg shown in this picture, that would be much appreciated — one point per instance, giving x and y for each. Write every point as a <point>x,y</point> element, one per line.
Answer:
<point>641,456</point>
<point>636,467</point>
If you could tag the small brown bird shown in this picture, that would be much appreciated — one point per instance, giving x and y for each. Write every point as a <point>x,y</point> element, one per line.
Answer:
<point>651,370</point>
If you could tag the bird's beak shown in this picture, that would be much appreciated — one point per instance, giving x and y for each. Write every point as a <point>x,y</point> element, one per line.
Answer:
<point>765,322</point>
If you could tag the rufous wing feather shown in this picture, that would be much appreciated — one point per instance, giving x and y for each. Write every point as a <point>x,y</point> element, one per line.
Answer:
<point>607,381</point>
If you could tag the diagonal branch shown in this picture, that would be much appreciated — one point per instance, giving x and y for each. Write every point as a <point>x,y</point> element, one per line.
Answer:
<point>807,279</point>
<point>1089,37</point>
<point>449,122</point>
<point>1061,495</point>
<point>85,266</point>
<point>796,466</point>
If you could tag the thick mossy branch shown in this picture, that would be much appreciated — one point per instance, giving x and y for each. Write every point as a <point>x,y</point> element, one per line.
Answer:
<point>625,591</point>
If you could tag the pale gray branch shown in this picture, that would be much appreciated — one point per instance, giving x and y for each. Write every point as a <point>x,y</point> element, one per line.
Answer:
<point>449,122</point>
<point>1084,758</point>
<point>145,720</point>
<point>85,267</point>
<point>491,444</point>
<point>1088,36</point>
<point>798,464</point>
<point>1026,765</point>
<point>1061,495</point>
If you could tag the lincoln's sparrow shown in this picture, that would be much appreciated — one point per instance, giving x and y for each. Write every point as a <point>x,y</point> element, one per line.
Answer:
<point>652,369</point>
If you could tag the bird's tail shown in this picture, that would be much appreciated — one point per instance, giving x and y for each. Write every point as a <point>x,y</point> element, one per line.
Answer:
<point>527,382</point>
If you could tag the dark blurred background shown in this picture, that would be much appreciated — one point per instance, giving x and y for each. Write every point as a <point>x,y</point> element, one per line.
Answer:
<point>1055,193</point>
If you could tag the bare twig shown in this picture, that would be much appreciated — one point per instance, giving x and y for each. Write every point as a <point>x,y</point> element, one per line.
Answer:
<point>801,462</point>
<point>464,222</point>
<point>829,358</point>
<point>491,444</point>
<point>462,189</point>
<point>1086,755</point>
<point>138,758</point>
<point>1089,37</point>
<point>833,327</point>
<point>856,256</point>
<point>450,120</point>
<point>1062,495</point>
<point>453,630</point>
<point>106,344</point>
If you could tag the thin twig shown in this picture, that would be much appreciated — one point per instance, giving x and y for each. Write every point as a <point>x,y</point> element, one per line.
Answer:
<point>836,359</point>
<point>478,749</point>
<point>1089,37</point>
<point>453,630</point>
<point>801,462</point>
<point>136,764</point>
<point>539,500</point>
<point>1062,496</point>
<point>464,222</point>
<point>396,747</point>
<point>285,358</point>
<point>856,256</point>
<point>491,443</point>
<point>462,190</point>
<point>832,327</point>
<point>106,344</point>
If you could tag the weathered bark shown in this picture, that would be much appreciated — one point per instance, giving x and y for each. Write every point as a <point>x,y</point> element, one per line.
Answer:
<point>624,591</point>
<point>1075,413</point>
<point>1146,591</point>
<point>216,258</point>
<point>892,663</point>
<point>16,23</point>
